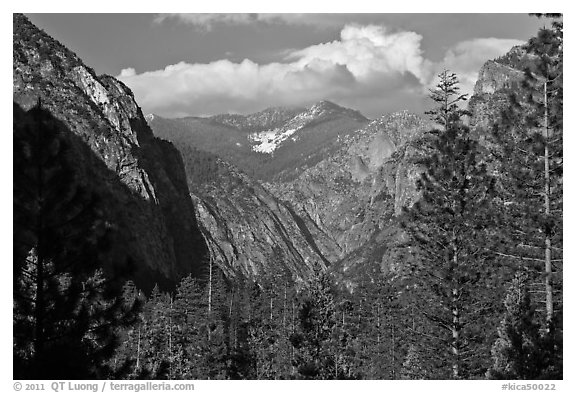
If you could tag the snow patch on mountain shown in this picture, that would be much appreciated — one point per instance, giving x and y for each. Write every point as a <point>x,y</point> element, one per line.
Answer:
<point>268,141</point>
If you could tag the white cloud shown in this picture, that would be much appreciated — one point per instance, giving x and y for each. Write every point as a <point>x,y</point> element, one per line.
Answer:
<point>368,68</point>
<point>466,58</point>
<point>222,86</point>
<point>367,50</point>
<point>127,72</point>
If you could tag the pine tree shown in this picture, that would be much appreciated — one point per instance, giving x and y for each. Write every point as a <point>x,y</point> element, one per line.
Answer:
<point>256,338</point>
<point>448,228</point>
<point>218,319</point>
<point>155,350</point>
<point>313,339</point>
<point>344,342</point>
<point>266,338</point>
<point>516,352</point>
<point>529,159</point>
<point>242,358</point>
<point>381,329</point>
<point>127,357</point>
<point>447,96</point>
<point>66,311</point>
<point>277,346</point>
<point>191,320</point>
<point>414,365</point>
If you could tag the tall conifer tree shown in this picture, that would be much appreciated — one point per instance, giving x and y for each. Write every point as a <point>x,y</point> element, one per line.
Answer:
<point>529,140</point>
<point>447,227</point>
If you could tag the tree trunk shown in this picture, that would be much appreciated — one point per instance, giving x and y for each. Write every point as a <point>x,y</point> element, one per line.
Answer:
<point>455,335</point>
<point>284,308</point>
<point>446,110</point>
<point>393,354</point>
<point>271,307</point>
<point>547,241</point>
<point>378,327</point>
<point>455,306</point>
<point>138,350</point>
<point>170,340</point>
<point>292,354</point>
<point>209,298</point>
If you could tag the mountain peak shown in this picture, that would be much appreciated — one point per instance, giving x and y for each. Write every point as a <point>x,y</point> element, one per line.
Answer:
<point>325,107</point>
<point>265,119</point>
<point>281,110</point>
<point>31,42</point>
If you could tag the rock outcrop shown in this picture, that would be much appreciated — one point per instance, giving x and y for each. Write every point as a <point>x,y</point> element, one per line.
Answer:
<point>248,230</point>
<point>496,80</point>
<point>354,195</point>
<point>332,201</point>
<point>141,177</point>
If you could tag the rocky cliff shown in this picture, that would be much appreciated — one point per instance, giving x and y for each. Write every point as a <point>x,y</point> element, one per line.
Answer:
<point>332,202</point>
<point>142,177</point>
<point>251,232</point>
<point>496,80</point>
<point>248,230</point>
<point>354,195</point>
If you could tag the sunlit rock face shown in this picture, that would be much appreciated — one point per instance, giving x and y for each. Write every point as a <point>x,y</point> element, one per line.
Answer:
<point>320,209</point>
<point>354,195</point>
<point>251,232</point>
<point>141,178</point>
<point>497,79</point>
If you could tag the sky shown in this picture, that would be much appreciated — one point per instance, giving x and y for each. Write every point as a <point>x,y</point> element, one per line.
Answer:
<point>204,64</point>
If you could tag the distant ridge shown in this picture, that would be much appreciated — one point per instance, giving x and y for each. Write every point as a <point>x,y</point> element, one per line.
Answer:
<point>276,141</point>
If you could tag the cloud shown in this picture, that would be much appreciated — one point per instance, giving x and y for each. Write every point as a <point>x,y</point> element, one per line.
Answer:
<point>221,86</point>
<point>127,72</point>
<point>369,50</point>
<point>208,21</point>
<point>466,58</point>
<point>368,68</point>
